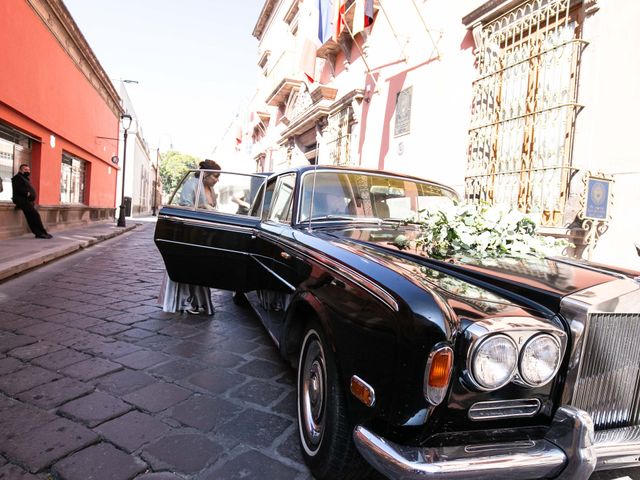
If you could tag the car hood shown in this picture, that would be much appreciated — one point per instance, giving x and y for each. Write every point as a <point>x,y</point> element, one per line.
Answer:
<point>544,281</point>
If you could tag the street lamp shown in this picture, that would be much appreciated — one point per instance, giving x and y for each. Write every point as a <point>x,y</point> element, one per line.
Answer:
<point>126,123</point>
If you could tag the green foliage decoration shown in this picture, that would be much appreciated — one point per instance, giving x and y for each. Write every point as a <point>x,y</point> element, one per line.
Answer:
<point>481,231</point>
<point>173,166</point>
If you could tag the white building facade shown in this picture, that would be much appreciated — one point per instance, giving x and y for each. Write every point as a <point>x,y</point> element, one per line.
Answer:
<point>141,165</point>
<point>519,102</point>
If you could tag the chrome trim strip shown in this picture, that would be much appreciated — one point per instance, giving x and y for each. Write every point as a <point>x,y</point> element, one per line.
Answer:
<point>175,242</point>
<point>339,269</point>
<point>575,308</point>
<point>194,222</point>
<point>491,410</point>
<point>274,274</point>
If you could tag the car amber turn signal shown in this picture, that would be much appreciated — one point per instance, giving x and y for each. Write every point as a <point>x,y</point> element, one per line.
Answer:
<point>438,373</point>
<point>362,391</point>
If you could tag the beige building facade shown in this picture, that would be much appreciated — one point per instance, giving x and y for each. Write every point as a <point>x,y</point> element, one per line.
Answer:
<point>524,103</point>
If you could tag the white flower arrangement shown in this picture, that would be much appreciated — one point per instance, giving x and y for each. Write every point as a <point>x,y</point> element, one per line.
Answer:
<point>481,231</point>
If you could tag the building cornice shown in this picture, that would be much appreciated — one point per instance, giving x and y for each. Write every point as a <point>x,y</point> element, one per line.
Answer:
<point>58,20</point>
<point>263,18</point>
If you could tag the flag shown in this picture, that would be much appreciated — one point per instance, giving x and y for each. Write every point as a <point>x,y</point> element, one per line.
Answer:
<point>325,19</point>
<point>338,10</point>
<point>362,16</point>
<point>308,42</point>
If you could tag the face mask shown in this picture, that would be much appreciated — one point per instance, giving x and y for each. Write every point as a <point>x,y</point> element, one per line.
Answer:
<point>26,174</point>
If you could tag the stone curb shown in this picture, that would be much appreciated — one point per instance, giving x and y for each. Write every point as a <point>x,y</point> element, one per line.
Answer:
<point>40,258</point>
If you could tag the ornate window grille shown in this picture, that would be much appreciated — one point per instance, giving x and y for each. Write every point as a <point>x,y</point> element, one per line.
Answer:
<point>524,109</point>
<point>339,137</point>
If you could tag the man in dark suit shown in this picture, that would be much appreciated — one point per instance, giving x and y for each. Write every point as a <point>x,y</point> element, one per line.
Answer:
<point>24,196</point>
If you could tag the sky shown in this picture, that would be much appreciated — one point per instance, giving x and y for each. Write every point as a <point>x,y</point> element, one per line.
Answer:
<point>195,62</point>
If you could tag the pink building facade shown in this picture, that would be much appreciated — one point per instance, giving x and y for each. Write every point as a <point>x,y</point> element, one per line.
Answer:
<point>523,103</point>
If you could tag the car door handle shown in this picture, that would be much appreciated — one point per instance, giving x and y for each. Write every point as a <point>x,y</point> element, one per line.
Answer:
<point>285,255</point>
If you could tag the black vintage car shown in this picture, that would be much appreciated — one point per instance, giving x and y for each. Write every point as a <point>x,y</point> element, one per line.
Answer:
<point>428,369</point>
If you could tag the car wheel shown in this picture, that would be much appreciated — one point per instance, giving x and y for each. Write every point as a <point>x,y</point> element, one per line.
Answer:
<point>325,433</point>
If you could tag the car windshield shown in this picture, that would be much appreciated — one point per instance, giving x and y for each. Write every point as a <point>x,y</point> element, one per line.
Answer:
<point>361,196</point>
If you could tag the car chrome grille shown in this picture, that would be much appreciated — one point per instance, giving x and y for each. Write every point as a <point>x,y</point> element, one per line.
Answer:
<point>608,384</point>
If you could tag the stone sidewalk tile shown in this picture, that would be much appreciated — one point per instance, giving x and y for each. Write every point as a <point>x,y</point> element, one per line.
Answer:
<point>132,430</point>
<point>91,368</point>
<point>25,379</point>
<point>158,476</point>
<point>261,369</point>
<point>12,322</point>
<point>101,461</point>
<point>177,369</point>
<point>216,380</point>
<point>9,365</point>
<point>258,392</point>
<point>113,349</point>
<point>42,446</point>
<point>182,453</point>
<point>20,418</point>
<point>93,409</point>
<point>204,413</point>
<point>123,382</point>
<point>143,359</point>
<point>39,330</point>
<point>13,472</point>
<point>157,396</point>
<point>35,350</point>
<point>251,465</point>
<point>9,341</point>
<point>108,328</point>
<point>134,334</point>
<point>60,359</point>
<point>255,428</point>
<point>55,393</point>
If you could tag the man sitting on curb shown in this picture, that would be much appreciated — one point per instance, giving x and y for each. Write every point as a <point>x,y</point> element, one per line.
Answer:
<point>24,196</point>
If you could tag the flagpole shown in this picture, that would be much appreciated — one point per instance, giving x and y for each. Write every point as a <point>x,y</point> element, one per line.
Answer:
<point>393,30</point>
<point>424,24</point>
<point>362,55</point>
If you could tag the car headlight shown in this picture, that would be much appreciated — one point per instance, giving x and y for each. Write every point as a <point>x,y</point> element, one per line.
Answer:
<point>494,362</point>
<point>540,359</point>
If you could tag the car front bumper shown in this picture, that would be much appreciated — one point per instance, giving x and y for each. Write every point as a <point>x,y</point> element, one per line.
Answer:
<point>569,451</point>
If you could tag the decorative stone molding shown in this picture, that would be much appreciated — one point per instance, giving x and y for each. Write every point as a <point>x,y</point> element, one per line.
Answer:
<point>265,14</point>
<point>60,23</point>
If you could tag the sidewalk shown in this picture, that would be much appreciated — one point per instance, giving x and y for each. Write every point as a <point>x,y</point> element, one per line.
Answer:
<point>26,252</point>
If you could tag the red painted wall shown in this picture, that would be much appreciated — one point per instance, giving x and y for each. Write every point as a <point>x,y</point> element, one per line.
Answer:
<point>43,93</point>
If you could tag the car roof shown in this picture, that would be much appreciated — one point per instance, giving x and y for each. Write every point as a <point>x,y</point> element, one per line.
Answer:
<point>326,168</point>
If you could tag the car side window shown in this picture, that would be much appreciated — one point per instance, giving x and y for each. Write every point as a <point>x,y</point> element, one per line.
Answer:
<point>282,202</point>
<point>186,193</point>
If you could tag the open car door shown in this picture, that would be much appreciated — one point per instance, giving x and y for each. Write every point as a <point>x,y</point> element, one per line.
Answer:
<point>206,232</point>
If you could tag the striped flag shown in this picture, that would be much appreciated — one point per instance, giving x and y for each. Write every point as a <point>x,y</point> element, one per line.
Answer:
<point>363,15</point>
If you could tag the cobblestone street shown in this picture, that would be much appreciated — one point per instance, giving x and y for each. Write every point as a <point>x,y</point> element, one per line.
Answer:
<point>97,382</point>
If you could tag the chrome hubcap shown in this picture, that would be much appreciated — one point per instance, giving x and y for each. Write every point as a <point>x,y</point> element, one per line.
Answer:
<point>312,384</point>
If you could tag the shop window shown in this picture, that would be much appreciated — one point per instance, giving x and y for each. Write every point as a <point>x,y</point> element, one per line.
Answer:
<point>15,149</point>
<point>524,109</point>
<point>72,179</point>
